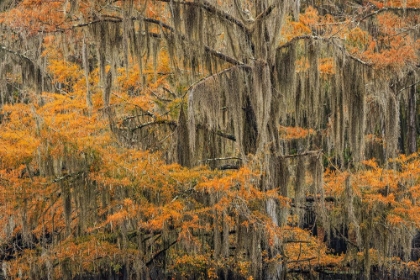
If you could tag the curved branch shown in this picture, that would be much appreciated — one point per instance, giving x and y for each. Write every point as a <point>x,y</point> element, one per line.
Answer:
<point>266,13</point>
<point>213,10</point>
<point>168,122</point>
<point>104,19</point>
<point>16,53</point>
<point>218,159</point>
<point>389,9</point>
<point>346,239</point>
<point>159,253</point>
<point>27,59</point>
<point>203,80</point>
<point>223,56</point>
<point>226,135</point>
<point>211,51</point>
<point>330,40</point>
<point>205,5</point>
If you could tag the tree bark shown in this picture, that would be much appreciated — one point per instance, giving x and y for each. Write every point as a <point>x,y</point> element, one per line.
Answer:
<point>412,125</point>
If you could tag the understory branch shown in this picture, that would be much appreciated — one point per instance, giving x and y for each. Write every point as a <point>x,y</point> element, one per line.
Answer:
<point>160,253</point>
<point>346,239</point>
<point>172,124</point>
<point>17,54</point>
<point>217,159</point>
<point>303,154</point>
<point>302,260</point>
<point>69,175</point>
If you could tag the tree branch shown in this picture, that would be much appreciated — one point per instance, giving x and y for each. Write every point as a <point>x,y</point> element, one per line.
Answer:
<point>220,133</point>
<point>328,40</point>
<point>213,10</point>
<point>160,98</point>
<point>266,13</point>
<point>409,86</point>
<point>225,158</point>
<point>346,239</point>
<point>223,56</point>
<point>203,80</point>
<point>29,60</point>
<point>213,52</point>
<point>70,175</point>
<point>303,154</point>
<point>103,19</point>
<point>202,4</point>
<point>302,260</point>
<point>17,54</point>
<point>389,9</point>
<point>297,241</point>
<point>160,252</point>
<point>229,167</point>
<point>168,122</point>
<point>226,135</point>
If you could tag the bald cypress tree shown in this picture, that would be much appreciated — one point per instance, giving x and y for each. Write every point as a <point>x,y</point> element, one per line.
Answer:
<point>281,88</point>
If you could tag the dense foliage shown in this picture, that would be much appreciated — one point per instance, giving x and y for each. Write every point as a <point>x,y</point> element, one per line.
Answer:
<point>208,139</point>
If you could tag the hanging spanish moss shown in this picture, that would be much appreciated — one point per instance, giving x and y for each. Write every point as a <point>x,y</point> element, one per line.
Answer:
<point>219,114</point>
<point>232,95</point>
<point>66,193</point>
<point>183,145</point>
<point>299,189</point>
<point>32,72</point>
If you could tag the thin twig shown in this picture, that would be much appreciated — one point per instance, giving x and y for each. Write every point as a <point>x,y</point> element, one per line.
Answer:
<point>225,158</point>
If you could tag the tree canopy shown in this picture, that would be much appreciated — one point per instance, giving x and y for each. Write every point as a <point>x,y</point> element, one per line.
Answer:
<point>200,139</point>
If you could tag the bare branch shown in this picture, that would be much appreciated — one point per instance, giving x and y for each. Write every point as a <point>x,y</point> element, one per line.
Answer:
<point>346,239</point>
<point>297,241</point>
<point>409,86</point>
<point>304,154</point>
<point>69,175</point>
<point>390,9</point>
<point>266,13</point>
<point>172,124</point>
<point>203,80</point>
<point>302,260</point>
<point>229,167</point>
<point>160,98</point>
<point>217,159</point>
<point>17,54</point>
<point>226,135</point>
<point>160,253</point>
<point>28,60</point>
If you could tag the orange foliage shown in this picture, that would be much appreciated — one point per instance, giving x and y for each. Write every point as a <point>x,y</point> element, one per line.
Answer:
<point>307,21</point>
<point>326,66</point>
<point>391,47</point>
<point>290,132</point>
<point>60,158</point>
<point>36,16</point>
<point>376,187</point>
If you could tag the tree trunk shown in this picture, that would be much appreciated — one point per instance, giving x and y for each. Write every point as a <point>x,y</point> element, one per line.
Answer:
<point>412,125</point>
